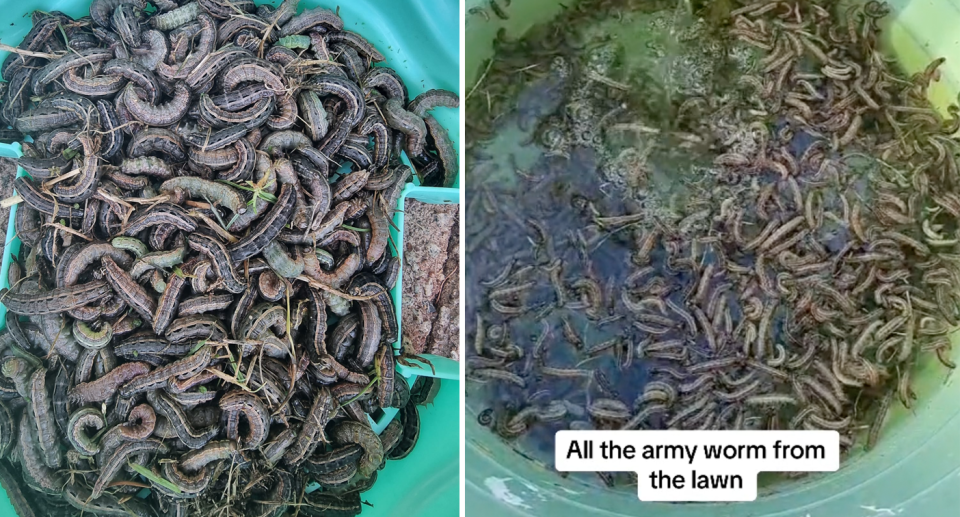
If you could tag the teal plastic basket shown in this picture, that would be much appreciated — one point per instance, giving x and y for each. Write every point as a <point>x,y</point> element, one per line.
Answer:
<point>421,41</point>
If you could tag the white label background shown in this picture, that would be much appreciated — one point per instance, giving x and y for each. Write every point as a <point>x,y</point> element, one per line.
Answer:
<point>747,469</point>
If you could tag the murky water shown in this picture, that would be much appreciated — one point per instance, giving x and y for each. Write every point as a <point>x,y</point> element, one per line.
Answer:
<point>537,205</point>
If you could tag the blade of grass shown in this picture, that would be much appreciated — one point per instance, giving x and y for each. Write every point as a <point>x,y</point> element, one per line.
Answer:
<point>229,379</point>
<point>198,346</point>
<point>268,197</point>
<point>363,392</point>
<point>147,473</point>
<point>10,201</point>
<point>236,185</point>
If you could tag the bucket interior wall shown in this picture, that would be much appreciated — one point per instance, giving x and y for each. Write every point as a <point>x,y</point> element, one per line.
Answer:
<point>915,467</point>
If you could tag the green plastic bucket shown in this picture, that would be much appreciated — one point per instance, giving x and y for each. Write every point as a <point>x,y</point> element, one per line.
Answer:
<point>914,470</point>
<point>420,40</point>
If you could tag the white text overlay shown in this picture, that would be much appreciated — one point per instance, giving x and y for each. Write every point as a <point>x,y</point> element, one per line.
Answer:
<point>697,465</point>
